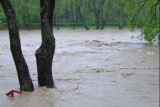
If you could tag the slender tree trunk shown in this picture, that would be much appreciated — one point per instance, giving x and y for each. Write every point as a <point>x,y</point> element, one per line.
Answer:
<point>120,21</point>
<point>54,19</point>
<point>77,17</point>
<point>24,18</point>
<point>21,66</point>
<point>66,12</point>
<point>82,18</point>
<point>45,53</point>
<point>57,15</point>
<point>28,15</point>
<point>73,20</point>
<point>104,22</point>
<point>97,20</point>
<point>120,26</point>
<point>96,11</point>
<point>102,12</point>
<point>57,21</point>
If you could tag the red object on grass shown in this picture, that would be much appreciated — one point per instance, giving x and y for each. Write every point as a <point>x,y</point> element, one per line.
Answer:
<point>12,92</point>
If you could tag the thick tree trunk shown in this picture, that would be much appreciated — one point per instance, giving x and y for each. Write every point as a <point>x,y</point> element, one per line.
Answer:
<point>21,66</point>
<point>44,54</point>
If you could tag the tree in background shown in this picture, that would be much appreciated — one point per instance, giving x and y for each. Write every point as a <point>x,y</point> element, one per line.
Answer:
<point>2,14</point>
<point>95,7</point>
<point>145,15</point>
<point>83,11</point>
<point>72,14</point>
<point>119,14</point>
<point>21,66</point>
<point>106,11</point>
<point>57,13</point>
<point>44,54</point>
<point>100,13</point>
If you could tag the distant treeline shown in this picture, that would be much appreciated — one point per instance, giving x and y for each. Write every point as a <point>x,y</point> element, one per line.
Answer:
<point>73,13</point>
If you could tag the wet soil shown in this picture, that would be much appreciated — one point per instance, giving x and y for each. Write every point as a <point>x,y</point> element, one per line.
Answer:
<point>90,69</point>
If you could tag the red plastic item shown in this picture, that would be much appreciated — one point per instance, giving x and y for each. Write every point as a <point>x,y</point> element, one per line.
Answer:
<point>12,93</point>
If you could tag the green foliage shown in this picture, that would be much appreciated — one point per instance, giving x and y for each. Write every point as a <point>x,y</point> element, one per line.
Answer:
<point>145,15</point>
<point>110,12</point>
<point>27,12</point>
<point>2,15</point>
<point>119,14</point>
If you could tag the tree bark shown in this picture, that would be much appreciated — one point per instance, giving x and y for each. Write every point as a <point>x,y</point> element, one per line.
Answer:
<point>21,66</point>
<point>45,53</point>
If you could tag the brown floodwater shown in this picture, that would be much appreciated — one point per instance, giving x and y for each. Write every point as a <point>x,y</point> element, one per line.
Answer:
<point>90,69</point>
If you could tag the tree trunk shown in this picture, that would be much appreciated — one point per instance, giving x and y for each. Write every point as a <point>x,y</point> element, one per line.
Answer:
<point>28,15</point>
<point>72,11</point>
<point>104,22</point>
<point>66,13</point>
<point>120,26</point>
<point>45,53</point>
<point>97,20</point>
<point>77,17</point>
<point>21,66</point>
<point>82,18</point>
<point>57,21</point>
<point>57,15</point>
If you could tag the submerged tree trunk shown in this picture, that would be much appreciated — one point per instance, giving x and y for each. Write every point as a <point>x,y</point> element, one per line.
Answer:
<point>45,53</point>
<point>21,66</point>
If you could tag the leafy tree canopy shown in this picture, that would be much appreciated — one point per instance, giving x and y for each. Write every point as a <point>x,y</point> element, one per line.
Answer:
<point>145,15</point>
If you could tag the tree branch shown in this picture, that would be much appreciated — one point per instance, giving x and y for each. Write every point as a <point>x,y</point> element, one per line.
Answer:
<point>135,17</point>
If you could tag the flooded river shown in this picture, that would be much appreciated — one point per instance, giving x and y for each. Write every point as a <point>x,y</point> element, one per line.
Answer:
<point>90,69</point>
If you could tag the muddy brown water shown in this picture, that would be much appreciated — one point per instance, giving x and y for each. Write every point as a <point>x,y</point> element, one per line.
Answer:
<point>90,69</point>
